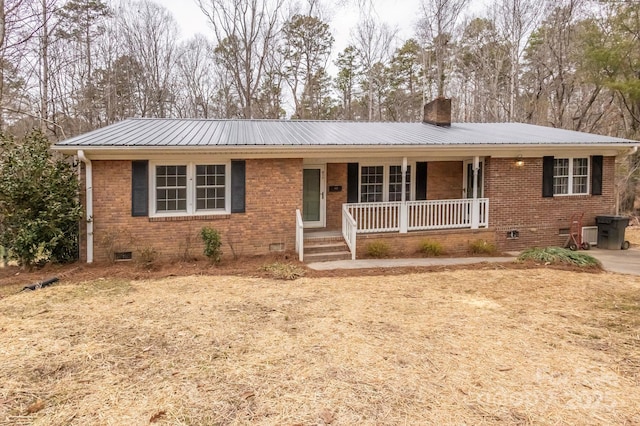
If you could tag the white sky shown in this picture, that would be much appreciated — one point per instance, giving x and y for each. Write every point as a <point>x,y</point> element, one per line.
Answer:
<point>400,14</point>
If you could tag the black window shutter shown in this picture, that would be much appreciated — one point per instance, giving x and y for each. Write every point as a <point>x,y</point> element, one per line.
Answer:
<point>353,170</point>
<point>421,181</point>
<point>140,188</point>
<point>596,175</point>
<point>238,173</point>
<point>547,176</point>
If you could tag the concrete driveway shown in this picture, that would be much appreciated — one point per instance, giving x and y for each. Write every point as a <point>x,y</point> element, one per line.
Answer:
<point>621,261</point>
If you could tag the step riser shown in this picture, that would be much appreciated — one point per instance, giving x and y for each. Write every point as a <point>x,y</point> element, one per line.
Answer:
<point>333,248</point>
<point>326,257</point>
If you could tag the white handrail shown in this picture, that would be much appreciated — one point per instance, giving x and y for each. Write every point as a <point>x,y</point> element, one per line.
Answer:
<point>349,230</point>
<point>299,235</point>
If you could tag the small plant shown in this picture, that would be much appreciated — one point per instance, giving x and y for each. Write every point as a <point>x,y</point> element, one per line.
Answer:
<point>431,248</point>
<point>283,271</point>
<point>557,255</point>
<point>378,249</point>
<point>146,258</point>
<point>212,244</point>
<point>482,247</point>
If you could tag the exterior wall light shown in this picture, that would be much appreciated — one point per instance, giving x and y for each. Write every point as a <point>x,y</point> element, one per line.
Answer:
<point>519,161</point>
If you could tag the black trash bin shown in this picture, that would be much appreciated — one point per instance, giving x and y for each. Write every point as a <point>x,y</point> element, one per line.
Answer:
<point>611,232</point>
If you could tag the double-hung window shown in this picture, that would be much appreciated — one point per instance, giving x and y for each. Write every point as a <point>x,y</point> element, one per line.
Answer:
<point>190,188</point>
<point>570,176</point>
<point>383,183</point>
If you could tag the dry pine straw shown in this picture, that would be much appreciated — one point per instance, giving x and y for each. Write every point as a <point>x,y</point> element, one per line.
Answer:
<point>460,347</point>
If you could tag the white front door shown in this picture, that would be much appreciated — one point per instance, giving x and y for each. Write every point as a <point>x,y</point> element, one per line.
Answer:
<point>313,197</point>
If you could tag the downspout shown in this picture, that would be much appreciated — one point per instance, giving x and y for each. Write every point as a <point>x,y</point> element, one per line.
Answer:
<point>89,203</point>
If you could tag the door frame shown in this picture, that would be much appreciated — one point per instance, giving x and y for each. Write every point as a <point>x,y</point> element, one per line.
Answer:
<point>465,179</point>
<point>322,223</point>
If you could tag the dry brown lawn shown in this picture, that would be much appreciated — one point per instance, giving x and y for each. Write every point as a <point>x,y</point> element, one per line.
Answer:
<point>482,346</point>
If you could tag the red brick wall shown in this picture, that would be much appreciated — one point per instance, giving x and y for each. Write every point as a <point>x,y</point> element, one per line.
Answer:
<point>336,176</point>
<point>273,193</point>
<point>516,203</point>
<point>444,180</point>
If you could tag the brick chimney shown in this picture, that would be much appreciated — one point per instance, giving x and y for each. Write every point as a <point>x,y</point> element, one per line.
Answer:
<point>438,112</point>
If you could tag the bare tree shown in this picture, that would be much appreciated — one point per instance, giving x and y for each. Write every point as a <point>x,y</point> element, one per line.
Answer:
<point>150,35</point>
<point>515,19</point>
<point>374,43</point>
<point>437,28</point>
<point>244,31</point>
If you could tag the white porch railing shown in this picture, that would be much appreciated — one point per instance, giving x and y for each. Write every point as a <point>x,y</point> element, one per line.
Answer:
<point>299,235</point>
<point>420,215</point>
<point>376,217</point>
<point>349,230</point>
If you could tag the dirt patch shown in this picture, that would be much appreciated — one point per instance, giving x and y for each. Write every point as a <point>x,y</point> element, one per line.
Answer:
<point>487,345</point>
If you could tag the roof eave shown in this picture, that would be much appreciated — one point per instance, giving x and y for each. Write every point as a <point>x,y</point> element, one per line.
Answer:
<point>323,151</point>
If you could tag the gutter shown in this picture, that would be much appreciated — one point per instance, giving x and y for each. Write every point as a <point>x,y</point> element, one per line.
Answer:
<point>89,203</point>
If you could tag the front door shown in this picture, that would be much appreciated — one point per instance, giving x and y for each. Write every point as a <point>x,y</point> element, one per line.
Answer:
<point>313,197</point>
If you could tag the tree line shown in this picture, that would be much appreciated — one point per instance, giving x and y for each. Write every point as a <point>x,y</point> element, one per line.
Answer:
<point>70,66</point>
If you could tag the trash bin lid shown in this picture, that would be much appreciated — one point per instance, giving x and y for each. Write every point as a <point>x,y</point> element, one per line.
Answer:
<point>610,218</point>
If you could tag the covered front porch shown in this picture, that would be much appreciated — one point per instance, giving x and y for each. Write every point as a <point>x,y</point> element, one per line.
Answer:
<point>367,199</point>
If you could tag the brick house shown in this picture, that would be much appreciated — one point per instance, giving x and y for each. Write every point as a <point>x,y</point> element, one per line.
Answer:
<point>271,185</point>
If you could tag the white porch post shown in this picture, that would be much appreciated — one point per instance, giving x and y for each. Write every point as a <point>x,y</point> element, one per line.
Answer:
<point>475,204</point>
<point>404,211</point>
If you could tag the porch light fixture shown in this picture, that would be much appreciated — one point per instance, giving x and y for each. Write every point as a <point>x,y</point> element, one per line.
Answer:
<point>519,161</point>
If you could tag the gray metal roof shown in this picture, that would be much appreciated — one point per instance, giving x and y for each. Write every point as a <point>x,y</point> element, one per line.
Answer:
<point>151,132</point>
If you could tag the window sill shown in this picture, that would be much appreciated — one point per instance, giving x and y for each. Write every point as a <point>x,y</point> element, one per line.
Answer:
<point>187,218</point>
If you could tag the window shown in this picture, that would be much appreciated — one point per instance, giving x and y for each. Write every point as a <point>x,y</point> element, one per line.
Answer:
<point>395,183</point>
<point>371,184</point>
<point>383,183</point>
<point>210,187</point>
<point>190,188</point>
<point>570,176</point>
<point>171,188</point>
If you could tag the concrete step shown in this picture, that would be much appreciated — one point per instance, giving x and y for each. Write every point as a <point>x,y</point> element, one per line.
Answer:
<point>324,247</point>
<point>327,257</point>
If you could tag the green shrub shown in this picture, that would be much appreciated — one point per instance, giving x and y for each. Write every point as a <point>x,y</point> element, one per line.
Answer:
<point>212,244</point>
<point>378,249</point>
<point>284,271</point>
<point>431,248</point>
<point>557,255</point>
<point>39,205</point>
<point>482,247</point>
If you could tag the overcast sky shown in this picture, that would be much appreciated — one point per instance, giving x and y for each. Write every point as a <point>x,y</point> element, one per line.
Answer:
<point>401,14</point>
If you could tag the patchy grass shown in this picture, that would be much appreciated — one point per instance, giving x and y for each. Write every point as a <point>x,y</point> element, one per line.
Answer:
<point>557,255</point>
<point>482,346</point>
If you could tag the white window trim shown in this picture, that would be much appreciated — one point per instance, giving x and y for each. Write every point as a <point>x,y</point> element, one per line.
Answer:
<point>191,188</point>
<point>570,192</point>
<point>385,178</point>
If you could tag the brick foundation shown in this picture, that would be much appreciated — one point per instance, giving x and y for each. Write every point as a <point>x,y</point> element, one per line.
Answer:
<point>454,242</point>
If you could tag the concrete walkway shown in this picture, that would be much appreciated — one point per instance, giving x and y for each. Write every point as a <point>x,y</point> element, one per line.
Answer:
<point>620,261</point>
<point>400,263</point>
